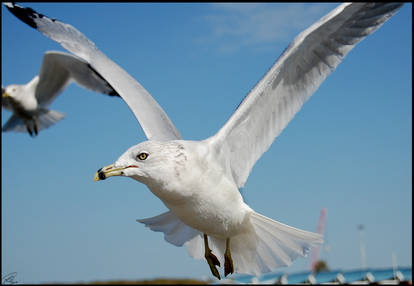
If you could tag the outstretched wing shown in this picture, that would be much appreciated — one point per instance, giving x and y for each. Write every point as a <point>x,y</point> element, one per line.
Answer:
<point>294,77</point>
<point>59,69</point>
<point>152,118</point>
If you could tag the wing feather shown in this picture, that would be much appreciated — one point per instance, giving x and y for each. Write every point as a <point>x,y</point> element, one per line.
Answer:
<point>53,79</point>
<point>294,77</point>
<point>60,69</point>
<point>152,118</point>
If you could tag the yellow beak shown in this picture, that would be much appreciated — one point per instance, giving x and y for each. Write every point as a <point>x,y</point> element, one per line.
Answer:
<point>110,171</point>
<point>106,172</point>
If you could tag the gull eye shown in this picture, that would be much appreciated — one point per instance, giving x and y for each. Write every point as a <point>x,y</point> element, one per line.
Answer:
<point>142,156</point>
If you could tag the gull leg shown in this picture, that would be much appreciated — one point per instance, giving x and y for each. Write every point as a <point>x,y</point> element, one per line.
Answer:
<point>228,261</point>
<point>29,130</point>
<point>211,258</point>
<point>35,127</point>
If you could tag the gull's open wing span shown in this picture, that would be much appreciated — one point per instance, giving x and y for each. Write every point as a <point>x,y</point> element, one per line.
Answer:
<point>295,76</point>
<point>60,69</point>
<point>152,118</point>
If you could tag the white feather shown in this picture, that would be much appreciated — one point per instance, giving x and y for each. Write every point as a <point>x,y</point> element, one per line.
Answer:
<point>266,245</point>
<point>293,78</point>
<point>59,70</point>
<point>175,231</point>
<point>45,118</point>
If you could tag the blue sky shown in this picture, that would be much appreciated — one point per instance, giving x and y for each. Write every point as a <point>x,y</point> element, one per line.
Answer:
<point>349,149</point>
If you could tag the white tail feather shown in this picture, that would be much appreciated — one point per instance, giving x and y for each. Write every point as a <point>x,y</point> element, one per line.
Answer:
<point>279,244</point>
<point>265,246</point>
<point>44,119</point>
<point>48,118</point>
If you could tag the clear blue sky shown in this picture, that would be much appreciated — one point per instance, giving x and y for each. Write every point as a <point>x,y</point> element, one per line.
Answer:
<point>349,149</point>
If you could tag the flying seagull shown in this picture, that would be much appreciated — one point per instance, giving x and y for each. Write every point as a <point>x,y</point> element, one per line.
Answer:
<point>199,181</point>
<point>29,102</point>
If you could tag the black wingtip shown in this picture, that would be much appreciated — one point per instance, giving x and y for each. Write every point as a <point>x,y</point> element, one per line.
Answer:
<point>114,93</point>
<point>27,15</point>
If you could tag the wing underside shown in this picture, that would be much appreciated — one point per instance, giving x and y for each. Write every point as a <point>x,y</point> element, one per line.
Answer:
<point>60,69</point>
<point>294,77</point>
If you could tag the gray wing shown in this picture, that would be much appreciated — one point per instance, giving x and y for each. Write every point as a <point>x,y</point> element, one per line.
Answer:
<point>60,69</point>
<point>295,76</point>
<point>152,118</point>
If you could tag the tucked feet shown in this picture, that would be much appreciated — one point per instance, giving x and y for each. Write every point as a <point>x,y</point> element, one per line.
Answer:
<point>211,258</point>
<point>35,127</point>
<point>29,130</point>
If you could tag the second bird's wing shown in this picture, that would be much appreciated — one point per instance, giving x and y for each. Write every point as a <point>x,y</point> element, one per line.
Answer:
<point>59,69</point>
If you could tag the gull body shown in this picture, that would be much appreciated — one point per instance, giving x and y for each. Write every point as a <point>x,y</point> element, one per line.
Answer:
<point>29,102</point>
<point>195,182</point>
<point>199,181</point>
<point>192,180</point>
<point>28,114</point>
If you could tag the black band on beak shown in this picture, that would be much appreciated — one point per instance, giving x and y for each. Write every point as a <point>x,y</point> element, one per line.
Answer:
<point>101,174</point>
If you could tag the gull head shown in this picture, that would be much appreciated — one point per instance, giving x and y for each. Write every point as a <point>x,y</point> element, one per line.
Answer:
<point>13,93</point>
<point>150,162</point>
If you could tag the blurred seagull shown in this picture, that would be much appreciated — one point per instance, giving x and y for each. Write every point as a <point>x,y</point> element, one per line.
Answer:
<point>199,181</point>
<point>29,102</point>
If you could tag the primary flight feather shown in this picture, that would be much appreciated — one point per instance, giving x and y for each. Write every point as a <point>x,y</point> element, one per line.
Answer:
<point>199,181</point>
